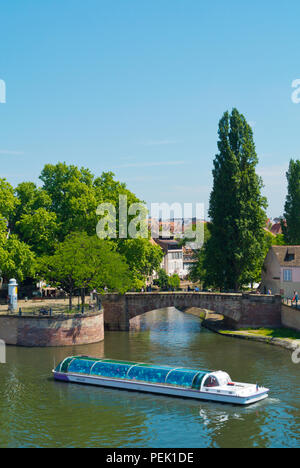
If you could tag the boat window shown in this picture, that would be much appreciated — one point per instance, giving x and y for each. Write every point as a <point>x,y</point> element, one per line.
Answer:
<point>63,366</point>
<point>110,369</point>
<point>146,373</point>
<point>198,380</point>
<point>182,377</point>
<point>211,381</point>
<point>80,366</point>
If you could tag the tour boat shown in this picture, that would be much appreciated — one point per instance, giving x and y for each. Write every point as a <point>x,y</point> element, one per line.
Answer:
<point>172,381</point>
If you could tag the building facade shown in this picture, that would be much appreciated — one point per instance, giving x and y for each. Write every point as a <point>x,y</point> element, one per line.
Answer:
<point>281,270</point>
<point>173,257</point>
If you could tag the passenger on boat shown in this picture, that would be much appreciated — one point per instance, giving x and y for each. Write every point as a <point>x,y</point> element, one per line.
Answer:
<point>211,382</point>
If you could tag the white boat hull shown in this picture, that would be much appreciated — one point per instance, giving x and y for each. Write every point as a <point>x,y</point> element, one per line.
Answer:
<point>211,395</point>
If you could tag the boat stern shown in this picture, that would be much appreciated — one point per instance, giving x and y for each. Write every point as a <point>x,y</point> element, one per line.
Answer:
<point>249,393</point>
<point>219,385</point>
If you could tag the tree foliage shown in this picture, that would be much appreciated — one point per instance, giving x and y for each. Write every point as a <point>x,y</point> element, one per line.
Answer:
<point>174,282</point>
<point>234,253</point>
<point>72,197</point>
<point>83,261</point>
<point>166,282</point>
<point>162,280</point>
<point>39,230</point>
<point>16,259</point>
<point>291,226</point>
<point>36,220</point>
<point>8,201</point>
<point>142,257</point>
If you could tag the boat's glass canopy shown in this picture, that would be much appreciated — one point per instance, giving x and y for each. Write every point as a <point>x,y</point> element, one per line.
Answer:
<point>150,373</point>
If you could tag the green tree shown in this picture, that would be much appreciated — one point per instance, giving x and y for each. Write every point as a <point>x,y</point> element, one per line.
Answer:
<point>33,220</point>
<point>75,195</point>
<point>142,257</point>
<point>72,197</point>
<point>291,226</point>
<point>197,270</point>
<point>83,261</point>
<point>8,202</point>
<point>234,252</point>
<point>108,189</point>
<point>270,240</point>
<point>4,232</point>
<point>16,259</point>
<point>174,282</point>
<point>39,230</point>
<point>31,198</point>
<point>166,282</point>
<point>162,280</point>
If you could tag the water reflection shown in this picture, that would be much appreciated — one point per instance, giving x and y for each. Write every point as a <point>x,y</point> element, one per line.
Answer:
<point>36,411</point>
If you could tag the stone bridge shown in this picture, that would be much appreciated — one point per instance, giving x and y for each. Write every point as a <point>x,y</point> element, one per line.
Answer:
<point>239,310</point>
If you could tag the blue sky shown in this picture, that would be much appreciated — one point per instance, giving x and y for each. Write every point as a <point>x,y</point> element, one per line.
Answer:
<point>138,87</point>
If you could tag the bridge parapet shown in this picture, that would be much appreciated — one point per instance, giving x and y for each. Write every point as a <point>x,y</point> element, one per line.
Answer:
<point>240,310</point>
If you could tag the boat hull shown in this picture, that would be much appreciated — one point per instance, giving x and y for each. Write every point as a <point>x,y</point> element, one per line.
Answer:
<point>160,389</point>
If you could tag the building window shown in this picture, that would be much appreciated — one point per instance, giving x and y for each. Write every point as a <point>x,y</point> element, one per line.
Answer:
<point>289,257</point>
<point>176,255</point>
<point>287,275</point>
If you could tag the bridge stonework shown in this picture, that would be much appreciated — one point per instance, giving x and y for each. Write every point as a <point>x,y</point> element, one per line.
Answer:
<point>239,310</point>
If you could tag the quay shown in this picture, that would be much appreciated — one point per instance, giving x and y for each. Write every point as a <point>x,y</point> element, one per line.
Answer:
<point>238,311</point>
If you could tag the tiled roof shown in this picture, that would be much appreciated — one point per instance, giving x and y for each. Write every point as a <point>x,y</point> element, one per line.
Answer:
<point>168,244</point>
<point>287,255</point>
<point>276,229</point>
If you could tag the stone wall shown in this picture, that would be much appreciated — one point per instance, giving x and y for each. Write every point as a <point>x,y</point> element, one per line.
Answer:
<point>115,312</point>
<point>240,310</point>
<point>260,311</point>
<point>52,331</point>
<point>290,317</point>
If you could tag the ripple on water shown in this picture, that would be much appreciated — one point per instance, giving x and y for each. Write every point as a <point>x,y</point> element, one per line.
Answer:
<point>38,412</point>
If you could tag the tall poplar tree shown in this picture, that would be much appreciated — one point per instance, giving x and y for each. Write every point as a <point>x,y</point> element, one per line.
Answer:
<point>291,228</point>
<point>234,252</point>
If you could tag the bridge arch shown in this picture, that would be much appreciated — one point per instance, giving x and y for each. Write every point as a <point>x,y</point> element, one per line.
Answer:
<point>239,310</point>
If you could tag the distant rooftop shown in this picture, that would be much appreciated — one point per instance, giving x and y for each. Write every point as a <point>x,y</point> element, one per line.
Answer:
<point>168,244</point>
<point>276,229</point>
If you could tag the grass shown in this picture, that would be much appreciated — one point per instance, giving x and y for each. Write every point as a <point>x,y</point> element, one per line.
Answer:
<point>284,333</point>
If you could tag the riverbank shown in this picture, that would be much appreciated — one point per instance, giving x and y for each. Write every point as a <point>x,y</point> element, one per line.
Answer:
<point>283,337</point>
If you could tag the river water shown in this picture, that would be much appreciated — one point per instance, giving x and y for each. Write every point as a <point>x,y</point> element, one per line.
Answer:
<point>35,411</point>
